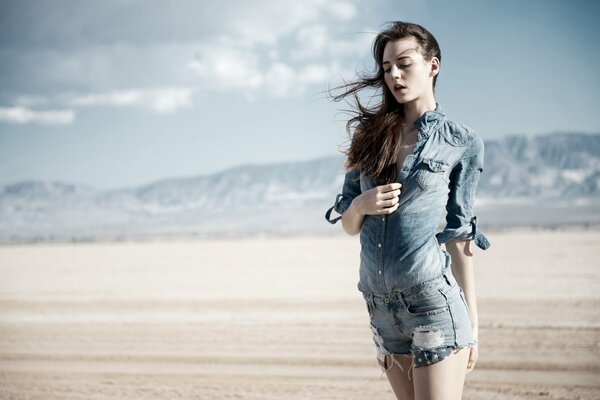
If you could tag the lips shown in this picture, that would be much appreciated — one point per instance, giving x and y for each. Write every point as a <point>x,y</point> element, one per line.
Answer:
<point>399,87</point>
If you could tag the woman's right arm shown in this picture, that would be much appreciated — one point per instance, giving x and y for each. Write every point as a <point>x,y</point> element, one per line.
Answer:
<point>353,204</point>
<point>380,200</point>
<point>353,217</point>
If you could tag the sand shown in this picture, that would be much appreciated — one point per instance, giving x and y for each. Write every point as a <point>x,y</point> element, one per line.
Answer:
<point>278,318</point>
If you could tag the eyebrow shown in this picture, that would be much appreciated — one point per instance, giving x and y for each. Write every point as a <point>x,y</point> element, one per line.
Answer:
<point>398,58</point>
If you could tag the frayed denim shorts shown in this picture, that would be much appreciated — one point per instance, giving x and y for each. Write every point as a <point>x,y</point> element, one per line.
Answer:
<point>428,322</point>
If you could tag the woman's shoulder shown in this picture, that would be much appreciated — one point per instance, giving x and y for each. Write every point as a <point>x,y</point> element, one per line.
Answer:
<point>457,133</point>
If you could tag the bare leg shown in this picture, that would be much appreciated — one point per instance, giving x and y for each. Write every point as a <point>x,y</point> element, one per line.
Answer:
<point>443,380</point>
<point>402,386</point>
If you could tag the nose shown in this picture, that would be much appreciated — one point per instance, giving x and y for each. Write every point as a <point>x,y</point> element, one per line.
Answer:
<point>394,71</point>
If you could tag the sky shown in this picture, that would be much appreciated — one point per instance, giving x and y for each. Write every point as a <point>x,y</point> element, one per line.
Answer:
<point>122,93</point>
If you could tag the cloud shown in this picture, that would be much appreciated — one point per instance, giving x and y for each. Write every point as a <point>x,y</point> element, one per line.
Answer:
<point>312,41</point>
<point>251,47</point>
<point>281,81</point>
<point>269,21</point>
<point>226,65</point>
<point>23,115</point>
<point>314,73</point>
<point>342,11</point>
<point>279,71</point>
<point>161,100</point>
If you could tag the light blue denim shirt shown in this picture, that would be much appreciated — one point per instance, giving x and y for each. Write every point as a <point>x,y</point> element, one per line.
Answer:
<point>402,249</point>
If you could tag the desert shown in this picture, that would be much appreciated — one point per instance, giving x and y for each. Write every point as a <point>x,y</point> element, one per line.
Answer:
<point>278,318</point>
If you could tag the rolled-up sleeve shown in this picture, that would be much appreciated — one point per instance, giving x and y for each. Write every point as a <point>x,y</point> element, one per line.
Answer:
<point>461,222</point>
<point>350,190</point>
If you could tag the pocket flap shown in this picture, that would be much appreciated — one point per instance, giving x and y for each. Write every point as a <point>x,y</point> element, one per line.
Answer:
<point>435,165</point>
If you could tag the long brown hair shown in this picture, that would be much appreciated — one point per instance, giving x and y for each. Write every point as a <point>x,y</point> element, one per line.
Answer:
<point>374,143</point>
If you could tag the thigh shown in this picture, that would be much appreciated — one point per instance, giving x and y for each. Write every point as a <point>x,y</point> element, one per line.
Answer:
<point>442,380</point>
<point>399,377</point>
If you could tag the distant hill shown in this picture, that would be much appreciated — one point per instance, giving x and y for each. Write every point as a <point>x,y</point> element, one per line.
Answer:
<point>549,180</point>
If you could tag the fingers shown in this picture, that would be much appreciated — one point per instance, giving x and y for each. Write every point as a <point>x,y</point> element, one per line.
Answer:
<point>472,359</point>
<point>389,198</point>
<point>390,191</point>
<point>389,210</point>
<point>391,186</point>
<point>470,366</point>
<point>386,198</point>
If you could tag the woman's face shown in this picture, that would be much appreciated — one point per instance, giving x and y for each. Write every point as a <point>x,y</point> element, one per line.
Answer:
<point>406,73</point>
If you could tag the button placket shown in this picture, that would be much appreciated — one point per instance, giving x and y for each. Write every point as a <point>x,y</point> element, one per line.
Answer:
<point>380,250</point>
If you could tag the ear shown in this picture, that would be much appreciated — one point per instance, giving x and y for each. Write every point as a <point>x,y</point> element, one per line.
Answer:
<point>434,66</point>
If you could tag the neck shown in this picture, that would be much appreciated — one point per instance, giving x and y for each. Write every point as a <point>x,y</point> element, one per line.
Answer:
<point>416,108</point>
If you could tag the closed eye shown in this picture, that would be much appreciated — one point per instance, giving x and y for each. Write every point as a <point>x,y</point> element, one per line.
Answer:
<point>399,66</point>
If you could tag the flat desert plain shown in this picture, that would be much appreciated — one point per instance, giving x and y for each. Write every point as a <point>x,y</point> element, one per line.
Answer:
<point>278,318</point>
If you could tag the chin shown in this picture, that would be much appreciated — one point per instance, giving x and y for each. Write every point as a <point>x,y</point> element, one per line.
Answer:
<point>403,99</point>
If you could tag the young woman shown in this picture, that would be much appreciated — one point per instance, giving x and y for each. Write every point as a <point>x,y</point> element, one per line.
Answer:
<point>407,162</point>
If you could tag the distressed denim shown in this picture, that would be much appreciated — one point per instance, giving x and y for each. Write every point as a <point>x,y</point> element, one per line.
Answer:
<point>428,321</point>
<point>402,249</point>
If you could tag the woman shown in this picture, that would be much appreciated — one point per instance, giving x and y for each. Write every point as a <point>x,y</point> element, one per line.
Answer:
<point>407,163</point>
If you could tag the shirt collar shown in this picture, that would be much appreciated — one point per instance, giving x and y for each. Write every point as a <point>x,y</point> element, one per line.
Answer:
<point>426,121</point>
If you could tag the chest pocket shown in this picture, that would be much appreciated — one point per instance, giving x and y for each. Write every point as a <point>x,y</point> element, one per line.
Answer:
<point>432,174</point>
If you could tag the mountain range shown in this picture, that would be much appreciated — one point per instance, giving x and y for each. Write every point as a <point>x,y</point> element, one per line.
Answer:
<point>547,180</point>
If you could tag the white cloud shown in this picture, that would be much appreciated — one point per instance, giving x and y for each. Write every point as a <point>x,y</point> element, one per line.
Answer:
<point>116,98</point>
<point>281,81</point>
<point>314,73</point>
<point>161,100</point>
<point>282,38</point>
<point>23,115</point>
<point>31,100</point>
<point>312,41</point>
<point>169,100</point>
<point>258,55</point>
<point>225,65</point>
<point>342,11</point>
<point>100,68</point>
<point>267,23</point>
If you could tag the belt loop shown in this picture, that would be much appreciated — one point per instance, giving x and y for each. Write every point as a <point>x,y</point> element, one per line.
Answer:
<point>372,299</point>
<point>401,298</point>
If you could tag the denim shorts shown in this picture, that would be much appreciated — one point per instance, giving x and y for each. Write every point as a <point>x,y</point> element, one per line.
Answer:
<point>427,321</point>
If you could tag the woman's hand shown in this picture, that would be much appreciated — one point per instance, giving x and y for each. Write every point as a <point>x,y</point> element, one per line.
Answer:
<point>383,199</point>
<point>472,358</point>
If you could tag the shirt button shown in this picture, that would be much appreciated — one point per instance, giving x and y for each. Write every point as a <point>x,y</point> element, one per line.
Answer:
<point>379,272</point>
<point>378,244</point>
<point>383,218</point>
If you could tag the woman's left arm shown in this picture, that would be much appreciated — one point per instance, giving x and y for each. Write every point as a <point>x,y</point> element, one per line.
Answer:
<point>461,233</point>
<point>462,268</point>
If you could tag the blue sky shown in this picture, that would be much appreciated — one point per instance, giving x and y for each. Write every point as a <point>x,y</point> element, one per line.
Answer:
<point>122,93</point>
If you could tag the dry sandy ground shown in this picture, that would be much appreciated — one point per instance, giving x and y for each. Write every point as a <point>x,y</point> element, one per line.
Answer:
<point>278,319</point>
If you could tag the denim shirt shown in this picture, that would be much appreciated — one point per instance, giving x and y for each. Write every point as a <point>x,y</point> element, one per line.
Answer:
<point>402,249</point>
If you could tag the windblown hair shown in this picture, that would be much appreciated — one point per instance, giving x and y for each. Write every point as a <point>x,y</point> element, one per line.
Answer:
<point>375,141</point>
